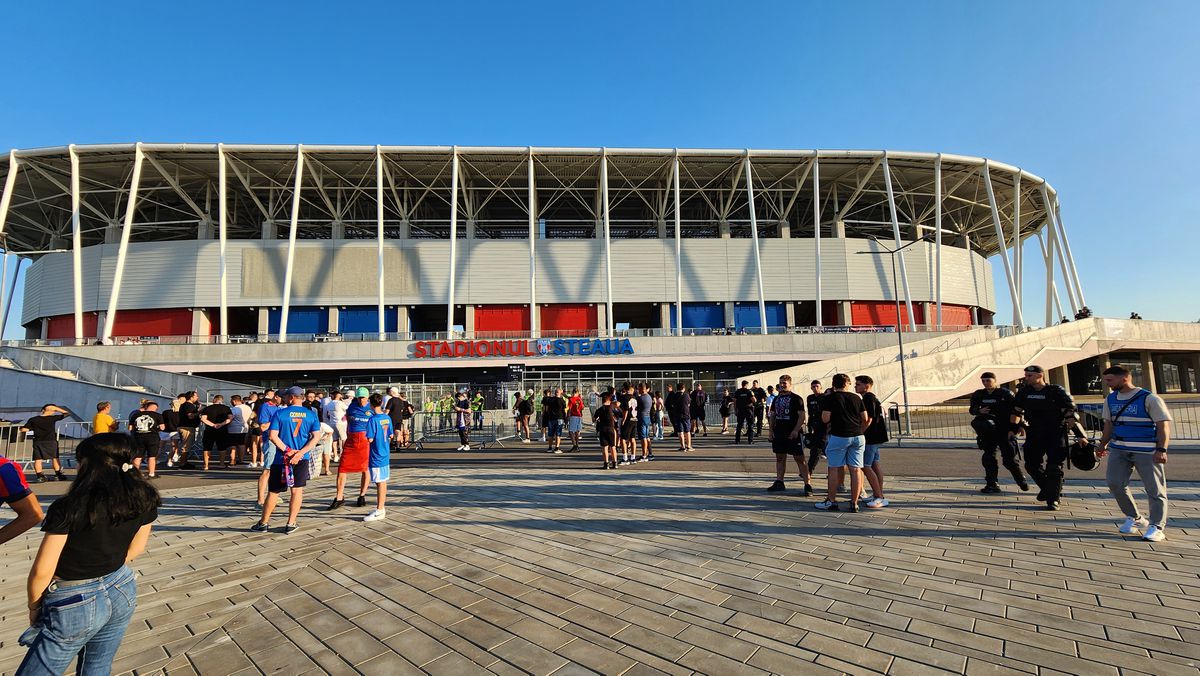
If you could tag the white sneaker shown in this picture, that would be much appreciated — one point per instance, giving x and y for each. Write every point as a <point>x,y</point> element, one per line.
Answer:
<point>170,462</point>
<point>1133,525</point>
<point>525,440</point>
<point>1154,534</point>
<point>459,447</point>
<point>376,515</point>
<point>466,447</point>
<point>876,503</point>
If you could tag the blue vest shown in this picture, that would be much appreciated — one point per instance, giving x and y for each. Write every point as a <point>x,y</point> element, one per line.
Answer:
<point>1133,430</point>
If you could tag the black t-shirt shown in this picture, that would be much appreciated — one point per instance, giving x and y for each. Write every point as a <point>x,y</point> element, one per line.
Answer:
<point>314,406</point>
<point>189,415</point>
<point>845,413</point>
<point>999,403</point>
<point>876,432</point>
<point>145,423</point>
<point>699,400</point>
<point>95,551</point>
<point>171,420</point>
<point>744,399</point>
<point>397,409</point>
<point>42,426</point>
<point>786,411</point>
<point>814,410</point>
<point>217,413</point>
<point>1043,408</point>
<point>554,408</point>
<point>760,396</point>
<point>726,403</point>
<point>605,418</point>
<point>525,407</point>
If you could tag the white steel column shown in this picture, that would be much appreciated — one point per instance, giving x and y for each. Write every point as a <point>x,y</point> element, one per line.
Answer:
<point>816,176</point>
<point>223,237</point>
<point>10,182</point>
<point>110,317</point>
<point>76,244</point>
<point>762,303</point>
<point>1051,287</point>
<point>291,250</point>
<point>1056,247</point>
<point>937,236</point>
<point>1018,255</point>
<point>453,239</point>
<point>608,315</point>
<point>379,238</point>
<point>678,249</point>
<point>1018,319</point>
<point>891,196</point>
<point>533,210</point>
<point>1065,245</point>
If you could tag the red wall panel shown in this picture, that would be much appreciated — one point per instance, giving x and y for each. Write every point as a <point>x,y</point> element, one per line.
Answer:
<point>578,319</point>
<point>63,326</point>
<point>954,316</point>
<point>168,322</point>
<point>501,318</point>
<point>882,313</point>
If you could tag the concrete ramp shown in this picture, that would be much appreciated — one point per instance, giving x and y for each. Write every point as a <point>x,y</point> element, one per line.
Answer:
<point>939,369</point>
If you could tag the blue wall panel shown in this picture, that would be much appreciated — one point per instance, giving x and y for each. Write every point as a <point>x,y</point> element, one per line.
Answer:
<point>300,320</point>
<point>701,315</point>
<point>745,315</point>
<point>365,320</point>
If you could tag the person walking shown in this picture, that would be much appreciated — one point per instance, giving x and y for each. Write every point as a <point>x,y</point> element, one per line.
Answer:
<point>1050,413</point>
<point>875,435</point>
<point>462,420</point>
<point>554,411</point>
<point>294,431</point>
<point>1137,432</point>
<point>760,406</point>
<point>45,440</point>
<point>786,420</point>
<point>356,451</point>
<point>379,435</point>
<point>845,417</point>
<point>145,424</point>
<point>743,401</point>
<point>81,591</point>
<point>992,407</point>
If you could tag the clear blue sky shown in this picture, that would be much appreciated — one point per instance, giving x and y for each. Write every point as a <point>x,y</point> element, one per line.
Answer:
<point>1101,98</point>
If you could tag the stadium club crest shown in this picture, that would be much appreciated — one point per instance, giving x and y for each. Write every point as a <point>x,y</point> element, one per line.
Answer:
<point>560,347</point>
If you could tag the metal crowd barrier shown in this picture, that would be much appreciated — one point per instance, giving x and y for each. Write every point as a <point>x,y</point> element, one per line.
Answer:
<point>439,427</point>
<point>952,421</point>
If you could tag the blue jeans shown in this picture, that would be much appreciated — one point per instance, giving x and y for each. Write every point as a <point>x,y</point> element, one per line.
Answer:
<point>87,619</point>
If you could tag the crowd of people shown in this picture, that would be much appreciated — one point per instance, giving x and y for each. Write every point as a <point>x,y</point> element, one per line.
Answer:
<point>103,522</point>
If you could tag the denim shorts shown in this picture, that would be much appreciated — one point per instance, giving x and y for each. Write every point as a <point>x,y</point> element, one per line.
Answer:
<point>575,424</point>
<point>73,615</point>
<point>554,427</point>
<point>871,455</point>
<point>845,451</point>
<point>643,430</point>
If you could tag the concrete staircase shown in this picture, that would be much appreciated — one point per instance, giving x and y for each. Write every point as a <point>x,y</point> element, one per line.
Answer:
<point>947,367</point>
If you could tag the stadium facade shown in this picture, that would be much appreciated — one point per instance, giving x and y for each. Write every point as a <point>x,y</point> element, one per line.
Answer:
<point>457,257</point>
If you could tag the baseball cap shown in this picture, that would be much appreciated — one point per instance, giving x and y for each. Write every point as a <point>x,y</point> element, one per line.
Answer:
<point>295,391</point>
<point>1034,368</point>
<point>362,392</point>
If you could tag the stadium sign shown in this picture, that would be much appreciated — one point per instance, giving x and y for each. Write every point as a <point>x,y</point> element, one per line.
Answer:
<point>559,347</point>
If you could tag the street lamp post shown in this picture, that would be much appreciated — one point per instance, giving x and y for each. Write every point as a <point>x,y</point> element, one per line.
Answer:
<point>899,329</point>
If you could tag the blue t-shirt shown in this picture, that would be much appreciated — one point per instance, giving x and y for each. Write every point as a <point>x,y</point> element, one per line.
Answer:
<point>357,417</point>
<point>379,433</point>
<point>266,415</point>
<point>295,424</point>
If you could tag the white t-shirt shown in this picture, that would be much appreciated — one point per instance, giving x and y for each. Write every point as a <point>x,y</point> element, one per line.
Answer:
<point>339,410</point>
<point>1154,405</point>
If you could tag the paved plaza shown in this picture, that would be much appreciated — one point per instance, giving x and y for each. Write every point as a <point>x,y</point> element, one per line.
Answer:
<point>522,568</point>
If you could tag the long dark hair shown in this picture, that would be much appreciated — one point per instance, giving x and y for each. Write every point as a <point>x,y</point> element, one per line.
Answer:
<point>101,490</point>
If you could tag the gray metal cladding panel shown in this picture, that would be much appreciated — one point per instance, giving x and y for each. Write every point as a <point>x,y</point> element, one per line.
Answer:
<point>572,271</point>
<point>157,275</point>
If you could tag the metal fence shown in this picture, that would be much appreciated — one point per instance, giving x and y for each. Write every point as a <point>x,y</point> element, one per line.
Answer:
<point>952,422</point>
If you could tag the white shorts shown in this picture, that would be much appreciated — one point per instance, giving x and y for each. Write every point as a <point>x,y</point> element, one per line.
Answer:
<point>339,431</point>
<point>380,474</point>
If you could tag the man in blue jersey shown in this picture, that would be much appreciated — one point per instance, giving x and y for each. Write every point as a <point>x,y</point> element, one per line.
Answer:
<point>356,449</point>
<point>379,434</point>
<point>266,413</point>
<point>294,432</point>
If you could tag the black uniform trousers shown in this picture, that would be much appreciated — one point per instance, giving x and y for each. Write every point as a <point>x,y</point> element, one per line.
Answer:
<point>1045,454</point>
<point>744,417</point>
<point>1010,454</point>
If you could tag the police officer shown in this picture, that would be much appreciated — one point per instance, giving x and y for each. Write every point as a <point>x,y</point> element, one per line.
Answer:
<point>1049,413</point>
<point>992,408</point>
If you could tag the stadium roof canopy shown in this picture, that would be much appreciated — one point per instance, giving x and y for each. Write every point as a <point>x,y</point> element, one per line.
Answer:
<point>179,192</point>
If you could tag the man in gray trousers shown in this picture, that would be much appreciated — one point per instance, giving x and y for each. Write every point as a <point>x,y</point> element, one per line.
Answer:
<point>1137,431</point>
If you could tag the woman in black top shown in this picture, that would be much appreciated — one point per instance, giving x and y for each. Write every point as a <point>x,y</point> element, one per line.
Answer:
<point>81,590</point>
<point>726,409</point>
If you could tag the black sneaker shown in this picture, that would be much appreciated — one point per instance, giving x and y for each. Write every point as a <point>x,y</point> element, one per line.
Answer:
<point>361,501</point>
<point>259,527</point>
<point>853,507</point>
<point>60,476</point>
<point>1022,484</point>
<point>1041,496</point>
<point>336,504</point>
<point>604,466</point>
<point>808,491</point>
<point>990,489</point>
<point>776,487</point>
<point>1052,506</point>
<point>39,479</point>
<point>289,529</point>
